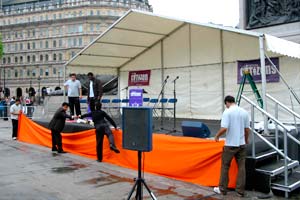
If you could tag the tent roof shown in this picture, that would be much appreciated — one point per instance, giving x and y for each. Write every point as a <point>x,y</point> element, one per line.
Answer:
<point>137,31</point>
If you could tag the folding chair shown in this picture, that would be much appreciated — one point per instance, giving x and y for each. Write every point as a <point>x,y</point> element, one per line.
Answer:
<point>154,104</point>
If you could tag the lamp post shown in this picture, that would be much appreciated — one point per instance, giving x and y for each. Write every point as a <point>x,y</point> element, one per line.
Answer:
<point>39,80</point>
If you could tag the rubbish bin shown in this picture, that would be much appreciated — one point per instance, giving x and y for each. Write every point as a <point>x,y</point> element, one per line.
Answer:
<point>5,109</point>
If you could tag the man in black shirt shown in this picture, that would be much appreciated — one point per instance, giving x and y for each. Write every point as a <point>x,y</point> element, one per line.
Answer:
<point>102,128</point>
<point>56,126</point>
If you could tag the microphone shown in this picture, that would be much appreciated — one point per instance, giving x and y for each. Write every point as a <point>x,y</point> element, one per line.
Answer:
<point>177,77</point>
<point>166,78</point>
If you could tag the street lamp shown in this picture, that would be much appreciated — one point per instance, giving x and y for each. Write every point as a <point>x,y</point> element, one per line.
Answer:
<point>39,79</point>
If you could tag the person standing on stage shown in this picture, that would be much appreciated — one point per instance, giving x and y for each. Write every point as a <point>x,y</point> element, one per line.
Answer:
<point>15,111</point>
<point>235,123</point>
<point>56,126</point>
<point>74,94</point>
<point>102,128</point>
<point>95,91</point>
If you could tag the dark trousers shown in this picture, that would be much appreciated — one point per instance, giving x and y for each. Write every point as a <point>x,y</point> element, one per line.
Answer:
<point>14,128</point>
<point>56,140</point>
<point>74,102</point>
<point>92,102</point>
<point>100,132</point>
<point>240,155</point>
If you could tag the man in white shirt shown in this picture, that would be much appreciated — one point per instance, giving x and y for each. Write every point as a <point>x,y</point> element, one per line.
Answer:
<point>74,94</point>
<point>235,123</point>
<point>95,91</point>
<point>15,111</point>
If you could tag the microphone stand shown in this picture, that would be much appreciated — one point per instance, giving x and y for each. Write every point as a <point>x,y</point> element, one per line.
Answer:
<point>158,98</point>
<point>174,105</point>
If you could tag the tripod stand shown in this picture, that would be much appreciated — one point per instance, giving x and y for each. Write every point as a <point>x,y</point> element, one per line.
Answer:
<point>139,182</point>
<point>162,116</point>
<point>174,104</point>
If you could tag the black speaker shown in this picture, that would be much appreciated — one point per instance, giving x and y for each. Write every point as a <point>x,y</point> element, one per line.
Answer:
<point>137,128</point>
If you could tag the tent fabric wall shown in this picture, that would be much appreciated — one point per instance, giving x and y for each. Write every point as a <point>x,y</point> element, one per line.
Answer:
<point>188,159</point>
<point>203,55</point>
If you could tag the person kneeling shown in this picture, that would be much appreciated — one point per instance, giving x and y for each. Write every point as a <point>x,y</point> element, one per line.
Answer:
<point>102,127</point>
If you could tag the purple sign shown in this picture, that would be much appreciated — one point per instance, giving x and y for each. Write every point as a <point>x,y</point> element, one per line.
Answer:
<point>136,97</point>
<point>254,68</point>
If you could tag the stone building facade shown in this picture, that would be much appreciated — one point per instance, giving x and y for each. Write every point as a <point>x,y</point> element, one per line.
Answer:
<point>278,18</point>
<point>39,36</point>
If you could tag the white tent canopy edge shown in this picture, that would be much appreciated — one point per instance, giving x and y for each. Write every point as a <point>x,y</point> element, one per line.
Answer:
<point>136,33</point>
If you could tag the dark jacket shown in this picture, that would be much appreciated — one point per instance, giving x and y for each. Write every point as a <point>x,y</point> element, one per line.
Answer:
<point>97,88</point>
<point>58,121</point>
<point>99,118</point>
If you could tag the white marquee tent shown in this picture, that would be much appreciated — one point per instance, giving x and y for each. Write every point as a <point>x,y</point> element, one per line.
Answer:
<point>204,56</point>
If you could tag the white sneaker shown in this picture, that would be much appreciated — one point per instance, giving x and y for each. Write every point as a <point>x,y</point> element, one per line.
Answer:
<point>217,190</point>
<point>14,138</point>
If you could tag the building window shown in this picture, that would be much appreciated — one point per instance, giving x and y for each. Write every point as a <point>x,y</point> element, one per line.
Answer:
<point>21,73</point>
<point>46,44</point>
<point>28,45</point>
<point>41,58</point>
<point>28,59</point>
<point>21,59</point>
<point>60,57</point>
<point>33,33</point>
<point>33,58</point>
<point>73,54</point>
<point>75,42</point>
<point>21,46</point>
<point>80,41</point>
<point>28,72</point>
<point>54,56</point>
<point>69,42</point>
<point>28,33</point>
<point>98,12</point>
<point>80,13</point>
<point>91,27</point>
<point>59,16</point>
<point>16,59</point>
<point>16,73</point>
<point>8,60</point>
<point>80,28</point>
<point>54,16</point>
<point>46,72</point>
<point>54,43</point>
<point>33,45</point>
<point>60,42</point>
<point>16,47</point>
<point>8,73</point>
<point>41,18</point>
<point>46,57</point>
<point>33,72</point>
<point>98,27</point>
<point>41,44</point>
<point>54,71</point>
<point>41,71</point>
<point>91,12</point>
<point>4,61</point>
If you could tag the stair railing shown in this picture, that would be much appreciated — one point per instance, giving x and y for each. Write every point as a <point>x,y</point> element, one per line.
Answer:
<point>286,134</point>
<point>287,109</point>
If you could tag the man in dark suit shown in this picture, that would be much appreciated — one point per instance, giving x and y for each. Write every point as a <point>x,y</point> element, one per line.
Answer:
<point>56,126</point>
<point>95,91</point>
<point>102,128</point>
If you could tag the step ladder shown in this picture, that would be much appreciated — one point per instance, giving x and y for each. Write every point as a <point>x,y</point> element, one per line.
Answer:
<point>247,76</point>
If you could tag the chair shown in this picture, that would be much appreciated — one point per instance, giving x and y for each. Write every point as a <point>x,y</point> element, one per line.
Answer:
<point>115,106</point>
<point>105,103</point>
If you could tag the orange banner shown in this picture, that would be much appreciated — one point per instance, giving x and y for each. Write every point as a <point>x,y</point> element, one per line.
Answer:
<point>188,159</point>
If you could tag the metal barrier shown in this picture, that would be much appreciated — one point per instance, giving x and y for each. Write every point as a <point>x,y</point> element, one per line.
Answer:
<point>29,111</point>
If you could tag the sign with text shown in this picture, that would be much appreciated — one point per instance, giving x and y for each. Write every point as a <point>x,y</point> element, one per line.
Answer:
<point>255,70</point>
<point>139,78</point>
<point>136,97</point>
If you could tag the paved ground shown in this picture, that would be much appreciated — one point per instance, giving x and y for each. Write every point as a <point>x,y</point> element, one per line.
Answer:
<point>29,172</point>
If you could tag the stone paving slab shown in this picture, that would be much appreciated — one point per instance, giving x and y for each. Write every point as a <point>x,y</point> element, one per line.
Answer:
<point>31,172</point>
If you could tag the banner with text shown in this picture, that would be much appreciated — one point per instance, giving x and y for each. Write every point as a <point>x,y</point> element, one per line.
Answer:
<point>254,68</point>
<point>136,97</point>
<point>139,78</point>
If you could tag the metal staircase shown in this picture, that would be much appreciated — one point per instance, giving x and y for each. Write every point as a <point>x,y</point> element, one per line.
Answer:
<point>272,168</point>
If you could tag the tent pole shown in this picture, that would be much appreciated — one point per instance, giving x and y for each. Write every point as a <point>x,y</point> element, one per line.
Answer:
<point>263,79</point>
<point>222,69</point>
<point>162,83</point>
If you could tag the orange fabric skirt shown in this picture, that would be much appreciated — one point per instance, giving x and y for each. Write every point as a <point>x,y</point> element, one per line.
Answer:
<point>188,159</point>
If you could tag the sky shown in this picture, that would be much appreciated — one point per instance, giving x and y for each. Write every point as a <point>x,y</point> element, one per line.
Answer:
<point>225,12</point>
